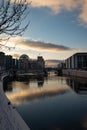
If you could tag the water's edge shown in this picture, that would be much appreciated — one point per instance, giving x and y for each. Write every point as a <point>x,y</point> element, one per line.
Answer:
<point>9,117</point>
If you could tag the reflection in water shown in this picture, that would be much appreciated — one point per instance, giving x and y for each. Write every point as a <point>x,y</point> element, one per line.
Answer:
<point>26,79</point>
<point>78,85</point>
<point>84,123</point>
<point>7,87</point>
<point>51,104</point>
<point>40,81</point>
<point>27,96</point>
<point>31,91</point>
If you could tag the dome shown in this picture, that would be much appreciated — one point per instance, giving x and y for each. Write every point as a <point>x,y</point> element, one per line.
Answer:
<point>24,57</point>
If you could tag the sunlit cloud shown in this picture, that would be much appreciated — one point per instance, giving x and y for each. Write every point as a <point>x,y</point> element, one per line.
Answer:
<point>52,63</point>
<point>39,45</point>
<point>83,14</point>
<point>56,6</point>
<point>16,55</point>
<point>33,48</point>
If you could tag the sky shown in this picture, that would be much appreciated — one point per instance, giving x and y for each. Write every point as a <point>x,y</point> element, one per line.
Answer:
<point>57,30</point>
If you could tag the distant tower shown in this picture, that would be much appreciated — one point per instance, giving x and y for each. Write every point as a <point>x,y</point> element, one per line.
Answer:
<point>41,63</point>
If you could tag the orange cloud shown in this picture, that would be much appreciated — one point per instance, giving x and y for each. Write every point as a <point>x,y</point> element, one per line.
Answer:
<point>16,55</point>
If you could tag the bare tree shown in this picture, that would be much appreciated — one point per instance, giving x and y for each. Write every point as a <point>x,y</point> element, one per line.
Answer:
<point>13,18</point>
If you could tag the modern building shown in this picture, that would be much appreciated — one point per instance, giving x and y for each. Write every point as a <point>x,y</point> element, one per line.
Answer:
<point>31,65</point>
<point>61,65</point>
<point>77,61</point>
<point>8,63</point>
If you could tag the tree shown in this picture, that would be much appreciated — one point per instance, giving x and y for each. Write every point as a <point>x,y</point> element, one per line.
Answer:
<point>12,15</point>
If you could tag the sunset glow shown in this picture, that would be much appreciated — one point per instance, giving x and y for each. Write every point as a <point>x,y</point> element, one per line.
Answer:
<point>57,29</point>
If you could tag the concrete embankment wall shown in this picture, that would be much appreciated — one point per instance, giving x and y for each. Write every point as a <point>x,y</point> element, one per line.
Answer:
<point>75,73</point>
<point>10,119</point>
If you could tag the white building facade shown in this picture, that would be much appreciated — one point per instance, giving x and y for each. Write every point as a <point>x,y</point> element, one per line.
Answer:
<point>77,61</point>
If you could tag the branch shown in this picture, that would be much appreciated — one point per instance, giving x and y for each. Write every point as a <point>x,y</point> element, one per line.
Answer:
<point>12,16</point>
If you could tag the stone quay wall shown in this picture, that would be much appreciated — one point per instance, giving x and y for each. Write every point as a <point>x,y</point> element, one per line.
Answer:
<point>75,73</point>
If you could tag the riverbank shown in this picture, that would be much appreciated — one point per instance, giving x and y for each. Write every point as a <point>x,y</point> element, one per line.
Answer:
<point>9,117</point>
<point>75,73</point>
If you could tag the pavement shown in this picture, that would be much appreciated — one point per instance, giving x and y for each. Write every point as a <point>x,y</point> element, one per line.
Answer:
<point>10,119</point>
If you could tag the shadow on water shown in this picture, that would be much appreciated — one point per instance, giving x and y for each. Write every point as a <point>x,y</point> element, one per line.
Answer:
<point>79,85</point>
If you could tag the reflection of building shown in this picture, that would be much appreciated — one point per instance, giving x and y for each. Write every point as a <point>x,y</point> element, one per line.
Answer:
<point>30,65</point>
<point>77,61</point>
<point>77,85</point>
<point>2,61</point>
<point>40,81</point>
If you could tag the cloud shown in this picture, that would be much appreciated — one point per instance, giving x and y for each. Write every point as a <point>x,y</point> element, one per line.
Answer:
<point>39,45</point>
<point>83,13</point>
<point>16,55</point>
<point>52,63</point>
<point>56,6</point>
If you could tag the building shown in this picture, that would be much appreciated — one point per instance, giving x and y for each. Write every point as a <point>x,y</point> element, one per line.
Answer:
<point>2,61</point>
<point>31,65</point>
<point>16,64</point>
<point>40,63</point>
<point>77,61</point>
<point>61,65</point>
<point>23,63</point>
<point>8,62</point>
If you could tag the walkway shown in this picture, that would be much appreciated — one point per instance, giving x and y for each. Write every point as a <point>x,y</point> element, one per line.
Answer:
<point>9,117</point>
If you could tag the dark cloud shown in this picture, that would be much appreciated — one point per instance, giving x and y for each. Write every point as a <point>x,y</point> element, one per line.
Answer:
<point>42,45</point>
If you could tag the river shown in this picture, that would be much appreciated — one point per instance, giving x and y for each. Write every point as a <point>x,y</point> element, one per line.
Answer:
<point>50,103</point>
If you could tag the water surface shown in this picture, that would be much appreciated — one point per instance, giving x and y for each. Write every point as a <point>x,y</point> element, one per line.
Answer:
<point>53,103</point>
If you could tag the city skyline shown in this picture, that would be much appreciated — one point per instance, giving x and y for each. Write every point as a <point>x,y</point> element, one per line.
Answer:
<point>57,30</point>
